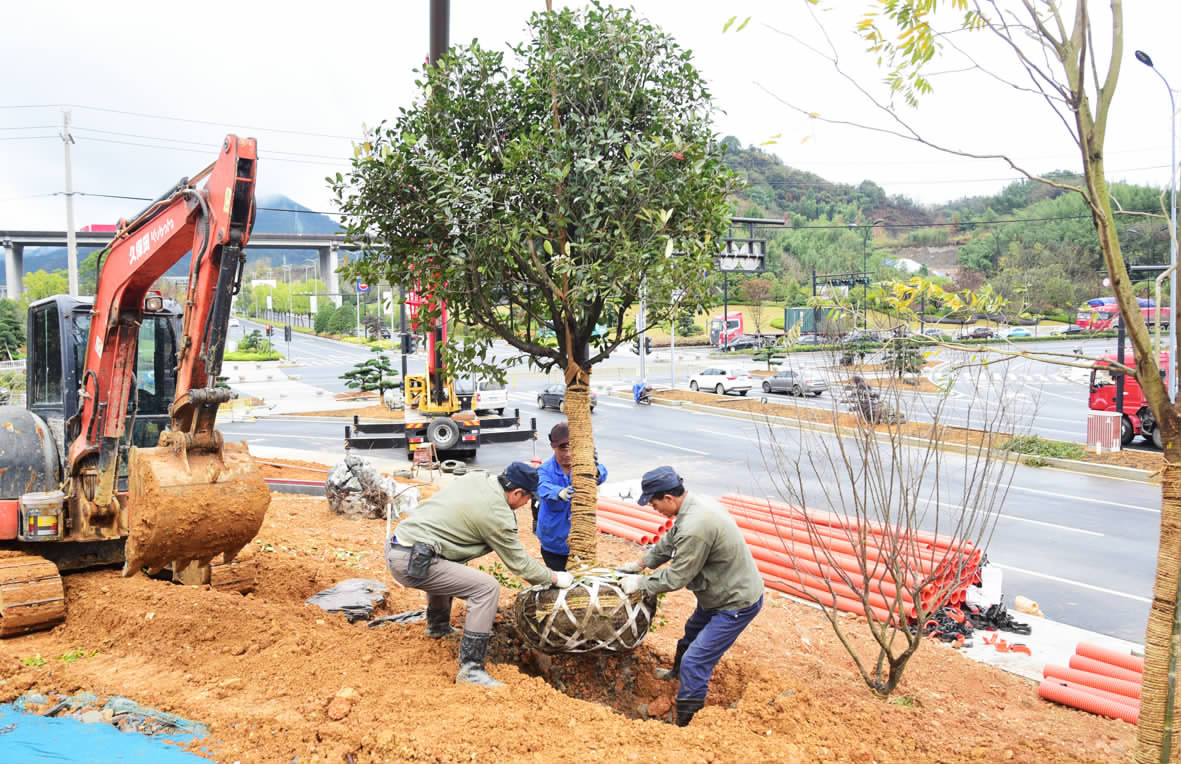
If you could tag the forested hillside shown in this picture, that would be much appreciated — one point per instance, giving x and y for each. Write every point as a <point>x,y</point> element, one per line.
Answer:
<point>1031,242</point>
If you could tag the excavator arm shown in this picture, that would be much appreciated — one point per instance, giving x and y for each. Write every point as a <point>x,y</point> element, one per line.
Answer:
<point>175,489</point>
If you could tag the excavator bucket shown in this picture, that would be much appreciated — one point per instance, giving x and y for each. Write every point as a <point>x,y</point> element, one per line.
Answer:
<point>191,507</point>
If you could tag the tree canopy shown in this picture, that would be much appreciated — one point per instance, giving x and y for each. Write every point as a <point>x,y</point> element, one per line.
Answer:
<point>548,193</point>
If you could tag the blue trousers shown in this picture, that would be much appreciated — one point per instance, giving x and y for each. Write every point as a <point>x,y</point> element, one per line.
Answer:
<point>709,634</point>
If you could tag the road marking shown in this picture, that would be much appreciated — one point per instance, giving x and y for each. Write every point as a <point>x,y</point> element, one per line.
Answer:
<point>266,435</point>
<point>1079,584</point>
<point>726,434</point>
<point>1004,516</point>
<point>668,445</point>
<point>1087,499</point>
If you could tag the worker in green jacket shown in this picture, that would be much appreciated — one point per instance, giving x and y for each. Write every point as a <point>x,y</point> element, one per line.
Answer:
<point>468,518</point>
<point>710,558</point>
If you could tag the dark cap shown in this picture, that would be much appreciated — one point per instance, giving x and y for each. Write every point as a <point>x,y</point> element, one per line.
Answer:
<point>560,434</point>
<point>522,476</point>
<point>656,481</point>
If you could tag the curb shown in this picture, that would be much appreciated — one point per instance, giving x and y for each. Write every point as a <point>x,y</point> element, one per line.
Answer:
<point>1068,465</point>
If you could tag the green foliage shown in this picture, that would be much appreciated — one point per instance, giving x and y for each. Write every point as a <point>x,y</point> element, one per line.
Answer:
<point>255,343</point>
<point>34,660</point>
<point>546,188</point>
<point>344,320</point>
<point>42,284</point>
<point>12,329</point>
<point>372,374</point>
<point>323,318</point>
<point>238,355</point>
<point>503,576</point>
<point>903,356</point>
<point>1037,446</point>
<point>77,654</point>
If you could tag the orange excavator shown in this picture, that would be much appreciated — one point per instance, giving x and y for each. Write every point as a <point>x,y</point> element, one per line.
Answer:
<point>115,456</point>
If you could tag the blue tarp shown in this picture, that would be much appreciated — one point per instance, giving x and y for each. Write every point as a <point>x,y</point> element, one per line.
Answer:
<point>33,738</point>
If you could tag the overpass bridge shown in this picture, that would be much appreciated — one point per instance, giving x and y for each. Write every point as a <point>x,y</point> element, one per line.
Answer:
<point>13,244</point>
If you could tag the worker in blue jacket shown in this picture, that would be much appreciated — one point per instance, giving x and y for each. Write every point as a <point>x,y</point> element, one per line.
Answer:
<point>555,490</point>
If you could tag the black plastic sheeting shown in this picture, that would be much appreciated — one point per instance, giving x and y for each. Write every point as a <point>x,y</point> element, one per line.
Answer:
<point>354,597</point>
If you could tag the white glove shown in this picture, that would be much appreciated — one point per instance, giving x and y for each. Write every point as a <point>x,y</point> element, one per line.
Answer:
<point>630,584</point>
<point>563,580</point>
<point>630,567</point>
<point>566,493</point>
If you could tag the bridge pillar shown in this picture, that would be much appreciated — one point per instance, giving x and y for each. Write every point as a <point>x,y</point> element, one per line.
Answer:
<point>329,262</point>
<point>14,268</point>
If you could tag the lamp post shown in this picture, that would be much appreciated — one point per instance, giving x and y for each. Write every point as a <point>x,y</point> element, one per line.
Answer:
<point>1145,59</point>
<point>738,255</point>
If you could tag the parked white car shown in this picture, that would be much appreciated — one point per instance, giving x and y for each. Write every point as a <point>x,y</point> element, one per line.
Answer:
<point>481,395</point>
<point>722,381</point>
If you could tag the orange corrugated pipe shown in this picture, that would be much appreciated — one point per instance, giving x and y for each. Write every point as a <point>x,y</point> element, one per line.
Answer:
<point>1130,689</point>
<point>634,510</point>
<point>825,598</point>
<point>623,531</point>
<point>845,562</point>
<point>832,519</point>
<point>651,526</point>
<point>837,588</point>
<point>1076,698</point>
<point>1115,696</point>
<point>1083,663</point>
<point>1107,655</point>
<point>819,569</point>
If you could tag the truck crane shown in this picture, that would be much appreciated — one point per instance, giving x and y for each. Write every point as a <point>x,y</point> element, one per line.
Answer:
<point>115,456</point>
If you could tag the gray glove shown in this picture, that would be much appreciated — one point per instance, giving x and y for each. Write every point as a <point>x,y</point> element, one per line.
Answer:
<point>563,580</point>
<point>566,493</point>
<point>630,567</point>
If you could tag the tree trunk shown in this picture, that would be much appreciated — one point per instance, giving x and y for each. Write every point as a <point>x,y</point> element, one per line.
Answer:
<point>1160,633</point>
<point>584,473</point>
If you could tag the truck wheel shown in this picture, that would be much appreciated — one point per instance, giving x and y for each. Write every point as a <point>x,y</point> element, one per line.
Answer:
<point>1126,431</point>
<point>444,433</point>
<point>1156,438</point>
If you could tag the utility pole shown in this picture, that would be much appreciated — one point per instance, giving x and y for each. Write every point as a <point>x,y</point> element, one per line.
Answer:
<point>71,241</point>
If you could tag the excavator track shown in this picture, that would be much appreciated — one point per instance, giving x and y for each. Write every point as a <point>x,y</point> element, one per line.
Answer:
<point>31,595</point>
<point>237,575</point>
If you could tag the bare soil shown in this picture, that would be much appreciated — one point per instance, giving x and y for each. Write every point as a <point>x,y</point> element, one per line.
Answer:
<point>375,411</point>
<point>276,679</point>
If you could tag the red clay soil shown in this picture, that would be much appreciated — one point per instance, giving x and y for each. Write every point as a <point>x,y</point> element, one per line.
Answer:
<point>275,679</point>
<point>375,411</point>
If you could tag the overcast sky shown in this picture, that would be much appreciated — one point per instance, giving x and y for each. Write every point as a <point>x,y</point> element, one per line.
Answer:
<point>154,87</point>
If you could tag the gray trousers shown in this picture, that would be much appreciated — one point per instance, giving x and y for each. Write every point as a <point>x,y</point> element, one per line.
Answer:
<point>447,579</point>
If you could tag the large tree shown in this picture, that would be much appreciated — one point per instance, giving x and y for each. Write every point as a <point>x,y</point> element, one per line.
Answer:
<point>1074,72</point>
<point>552,193</point>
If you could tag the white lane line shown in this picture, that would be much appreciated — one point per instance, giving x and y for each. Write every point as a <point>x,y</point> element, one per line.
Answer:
<point>747,438</point>
<point>668,445</point>
<point>1088,499</point>
<point>1079,584</point>
<point>1004,516</point>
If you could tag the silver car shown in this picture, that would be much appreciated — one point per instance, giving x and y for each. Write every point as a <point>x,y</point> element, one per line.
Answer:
<point>795,383</point>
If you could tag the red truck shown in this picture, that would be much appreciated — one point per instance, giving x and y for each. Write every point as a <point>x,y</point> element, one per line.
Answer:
<point>733,330</point>
<point>1137,416</point>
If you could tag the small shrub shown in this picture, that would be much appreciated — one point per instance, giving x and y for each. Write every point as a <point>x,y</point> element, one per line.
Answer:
<point>1039,447</point>
<point>503,576</point>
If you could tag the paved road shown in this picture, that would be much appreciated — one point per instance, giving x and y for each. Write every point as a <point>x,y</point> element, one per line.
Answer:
<point>1083,547</point>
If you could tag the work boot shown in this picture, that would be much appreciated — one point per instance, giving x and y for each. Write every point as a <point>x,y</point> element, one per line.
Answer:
<point>438,621</point>
<point>473,649</point>
<point>686,707</point>
<point>675,671</point>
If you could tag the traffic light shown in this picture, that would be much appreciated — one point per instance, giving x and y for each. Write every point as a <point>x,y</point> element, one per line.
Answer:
<point>287,333</point>
<point>636,345</point>
<point>647,345</point>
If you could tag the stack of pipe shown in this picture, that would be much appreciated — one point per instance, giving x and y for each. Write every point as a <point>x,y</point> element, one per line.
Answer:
<point>823,557</point>
<point>1099,680</point>
<point>642,525</point>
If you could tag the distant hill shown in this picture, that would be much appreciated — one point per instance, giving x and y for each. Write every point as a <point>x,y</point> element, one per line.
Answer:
<point>276,214</point>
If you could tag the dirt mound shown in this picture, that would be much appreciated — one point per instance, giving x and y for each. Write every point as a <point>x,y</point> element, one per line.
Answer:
<point>275,679</point>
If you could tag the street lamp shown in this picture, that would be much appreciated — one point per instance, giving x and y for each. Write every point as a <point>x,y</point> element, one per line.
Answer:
<point>1145,59</point>
<point>738,256</point>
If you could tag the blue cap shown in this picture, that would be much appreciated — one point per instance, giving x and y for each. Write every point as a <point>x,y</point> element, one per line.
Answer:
<point>522,475</point>
<point>658,480</point>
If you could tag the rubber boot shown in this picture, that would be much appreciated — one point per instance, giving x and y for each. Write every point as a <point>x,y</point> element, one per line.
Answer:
<point>686,707</point>
<point>438,622</point>
<point>473,649</point>
<point>675,671</point>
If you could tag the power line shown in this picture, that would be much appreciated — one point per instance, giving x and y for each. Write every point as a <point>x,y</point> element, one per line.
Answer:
<point>268,155</point>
